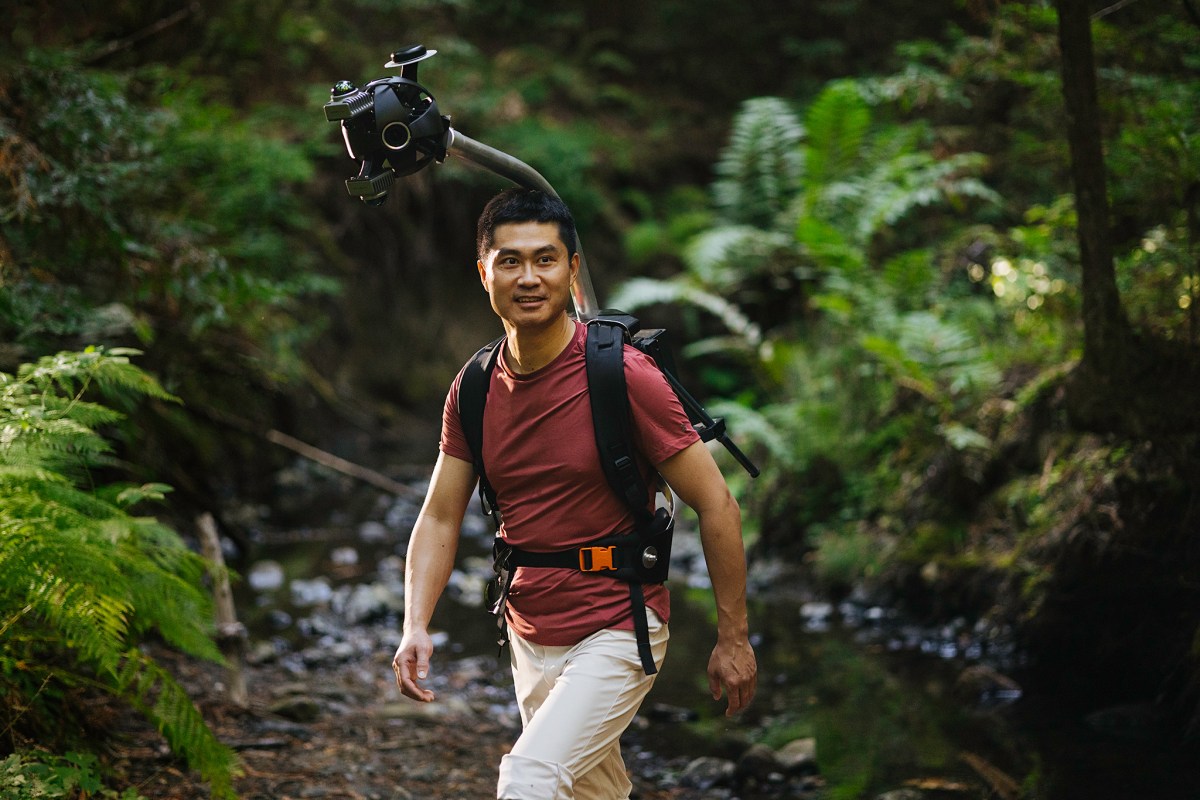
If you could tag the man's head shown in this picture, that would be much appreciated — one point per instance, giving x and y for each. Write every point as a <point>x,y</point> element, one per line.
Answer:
<point>523,205</point>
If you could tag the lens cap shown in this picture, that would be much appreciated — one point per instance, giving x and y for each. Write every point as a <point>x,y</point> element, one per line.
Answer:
<point>409,54</point>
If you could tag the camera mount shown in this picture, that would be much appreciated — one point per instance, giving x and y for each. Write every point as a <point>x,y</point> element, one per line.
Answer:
<point>393,128</point>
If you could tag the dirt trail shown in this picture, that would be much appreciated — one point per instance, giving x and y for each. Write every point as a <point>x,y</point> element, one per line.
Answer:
<point>342,734</point>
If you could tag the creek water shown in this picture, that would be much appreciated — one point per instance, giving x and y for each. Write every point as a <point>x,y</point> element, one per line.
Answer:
<point>888,704</point>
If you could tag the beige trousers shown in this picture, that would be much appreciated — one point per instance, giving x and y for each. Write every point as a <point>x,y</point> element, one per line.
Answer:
<point>575,703</point>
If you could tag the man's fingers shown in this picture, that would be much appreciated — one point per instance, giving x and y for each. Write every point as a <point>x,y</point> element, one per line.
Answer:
<point>409,669</point>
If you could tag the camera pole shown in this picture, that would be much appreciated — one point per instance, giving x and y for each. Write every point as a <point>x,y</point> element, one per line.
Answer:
<point>520,173</point>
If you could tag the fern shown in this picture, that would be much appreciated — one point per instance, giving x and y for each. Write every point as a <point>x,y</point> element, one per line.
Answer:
<point>838,122</point>
<point>760,170</point>
<point>82,581</point>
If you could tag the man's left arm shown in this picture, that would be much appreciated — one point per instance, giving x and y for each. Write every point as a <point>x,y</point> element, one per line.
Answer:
<point>694,477</point>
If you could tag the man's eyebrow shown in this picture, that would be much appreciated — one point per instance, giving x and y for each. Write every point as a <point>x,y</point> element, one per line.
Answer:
<point>507,251</point>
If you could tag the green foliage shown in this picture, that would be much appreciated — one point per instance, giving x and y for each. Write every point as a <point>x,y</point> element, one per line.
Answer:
<point>36,775</point>
<point>83,582</point>
<point>132,208</point>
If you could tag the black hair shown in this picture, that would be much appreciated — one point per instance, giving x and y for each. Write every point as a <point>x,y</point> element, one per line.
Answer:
<point>524,205</point>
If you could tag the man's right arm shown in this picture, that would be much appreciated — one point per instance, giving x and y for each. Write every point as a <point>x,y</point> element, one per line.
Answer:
<point>431,551</point>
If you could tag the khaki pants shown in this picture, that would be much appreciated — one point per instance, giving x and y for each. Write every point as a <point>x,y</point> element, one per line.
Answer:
<point>575,703</point>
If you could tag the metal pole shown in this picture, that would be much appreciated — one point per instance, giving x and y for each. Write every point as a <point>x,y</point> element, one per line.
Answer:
<point>517,171</point>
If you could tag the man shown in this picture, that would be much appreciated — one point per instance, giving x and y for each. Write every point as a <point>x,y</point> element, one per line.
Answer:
<point>579,680</point>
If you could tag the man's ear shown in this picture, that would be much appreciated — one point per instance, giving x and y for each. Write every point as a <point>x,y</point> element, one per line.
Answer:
<point>482,274</point>
<point>574,266</point>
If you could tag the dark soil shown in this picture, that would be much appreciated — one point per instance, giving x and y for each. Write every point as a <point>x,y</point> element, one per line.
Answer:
<point>363,741</point>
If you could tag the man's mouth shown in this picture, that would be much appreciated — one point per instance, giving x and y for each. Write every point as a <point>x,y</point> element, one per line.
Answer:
<point>529,300</point>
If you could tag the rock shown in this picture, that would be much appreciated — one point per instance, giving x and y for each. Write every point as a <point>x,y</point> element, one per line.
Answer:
<point>344,557</point>
<point>902,794</point>
<point>297,709</point>
<point>262,652</point>
<point>798,757</point>
<point>372,531</point>
<point>758,763</point>
<point>313,592</point>
<point>265,576</point>
<point>663,712</point>
<point>367,602</point>
<point>705,773</point>
<point>982,686</point>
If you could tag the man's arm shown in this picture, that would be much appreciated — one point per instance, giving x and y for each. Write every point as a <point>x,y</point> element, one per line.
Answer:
<point>694,477</point>
<point>428,566</point>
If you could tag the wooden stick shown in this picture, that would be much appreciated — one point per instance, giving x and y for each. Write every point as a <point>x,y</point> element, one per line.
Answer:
<point>341,465</point>
<point>231,634</point>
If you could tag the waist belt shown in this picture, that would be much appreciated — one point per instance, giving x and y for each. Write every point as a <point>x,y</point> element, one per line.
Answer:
<point>636,558</point>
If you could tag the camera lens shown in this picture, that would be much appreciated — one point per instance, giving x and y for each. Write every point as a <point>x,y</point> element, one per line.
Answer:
<point>396,136</point>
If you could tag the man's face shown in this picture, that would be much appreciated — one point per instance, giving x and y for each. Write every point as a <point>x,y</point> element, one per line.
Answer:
<point>527,274</point>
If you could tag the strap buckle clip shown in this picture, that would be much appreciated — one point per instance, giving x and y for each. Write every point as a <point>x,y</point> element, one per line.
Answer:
<point>596,559</point>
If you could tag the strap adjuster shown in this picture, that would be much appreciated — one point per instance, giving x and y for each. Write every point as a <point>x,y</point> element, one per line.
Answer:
<point>601,558</point>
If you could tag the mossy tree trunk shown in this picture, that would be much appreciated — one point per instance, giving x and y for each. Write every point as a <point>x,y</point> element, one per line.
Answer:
<point>1107,333</point>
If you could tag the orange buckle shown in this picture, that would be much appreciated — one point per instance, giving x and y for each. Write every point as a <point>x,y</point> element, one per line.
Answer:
<point>601,558</point>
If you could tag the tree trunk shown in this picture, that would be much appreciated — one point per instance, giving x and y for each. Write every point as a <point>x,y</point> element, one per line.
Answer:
<point>1107,335</point>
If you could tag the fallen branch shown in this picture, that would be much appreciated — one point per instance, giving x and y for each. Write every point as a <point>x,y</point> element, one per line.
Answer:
<point>341,465</point>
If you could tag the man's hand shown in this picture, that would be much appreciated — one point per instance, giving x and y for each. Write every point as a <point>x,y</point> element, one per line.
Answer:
<point>411,664</point>
<point>733,668</point>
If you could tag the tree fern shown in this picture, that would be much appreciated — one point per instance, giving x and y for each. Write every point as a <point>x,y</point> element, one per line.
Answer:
<point>82,581</point>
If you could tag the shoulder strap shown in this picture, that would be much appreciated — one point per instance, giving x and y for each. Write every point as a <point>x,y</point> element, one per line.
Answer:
<point>605,359</point>
<point>472,395</point>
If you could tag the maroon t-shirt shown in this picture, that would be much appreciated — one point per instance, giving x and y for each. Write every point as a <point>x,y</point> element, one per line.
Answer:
<point>540,453</point>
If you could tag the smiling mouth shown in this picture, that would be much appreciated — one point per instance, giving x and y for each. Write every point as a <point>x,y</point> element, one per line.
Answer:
<point>529,300</point>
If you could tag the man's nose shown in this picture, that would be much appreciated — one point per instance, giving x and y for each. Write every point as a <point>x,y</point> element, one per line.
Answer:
<point>528,274</point>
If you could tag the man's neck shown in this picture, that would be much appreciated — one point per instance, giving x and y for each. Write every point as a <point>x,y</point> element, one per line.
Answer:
<point>530,350</point>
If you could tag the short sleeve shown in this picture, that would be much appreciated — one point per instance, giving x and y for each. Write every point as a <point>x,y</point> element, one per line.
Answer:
<point>453,442</point>
<point>661,427</point>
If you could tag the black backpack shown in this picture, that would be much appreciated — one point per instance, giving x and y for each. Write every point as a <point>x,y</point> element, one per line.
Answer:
<point>641,556</point>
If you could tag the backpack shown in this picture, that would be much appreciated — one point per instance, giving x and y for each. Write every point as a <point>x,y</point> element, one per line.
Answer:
<point>639,557</point>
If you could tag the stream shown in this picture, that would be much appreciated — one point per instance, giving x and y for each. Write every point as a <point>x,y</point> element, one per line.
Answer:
<point>880,707</point>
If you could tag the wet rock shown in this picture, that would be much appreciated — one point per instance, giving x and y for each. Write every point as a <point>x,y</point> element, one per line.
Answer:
<point>265,576</point>
<point>817,616</point>
<point>759,763</point>
<point>262,652</point>
<point>313,592</point>
<point>902,794</point>
<point>344,557</point>
<point>798,757</point>
<point>984,687</point>
<point>278,620</point>
<point>367,603</point>
<point>445,706</point>
<point>705,773</point>
<point>663,712</point>
<point>297,709</point>
<point>373,532</point>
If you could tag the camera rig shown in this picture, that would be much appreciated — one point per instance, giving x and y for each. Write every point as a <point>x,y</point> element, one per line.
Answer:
<point>392,126</point>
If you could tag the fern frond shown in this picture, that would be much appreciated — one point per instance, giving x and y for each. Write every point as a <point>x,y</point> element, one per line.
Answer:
<point>156,694</point>
<point>761,168</point>
<point>837,124</point>
<point>641,292</point>
<point>722,257</point>
<point>110,370</point>
<point>82,582</point>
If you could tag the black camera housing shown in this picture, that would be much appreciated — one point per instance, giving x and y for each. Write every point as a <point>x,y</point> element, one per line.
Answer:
<point>391,125</point>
